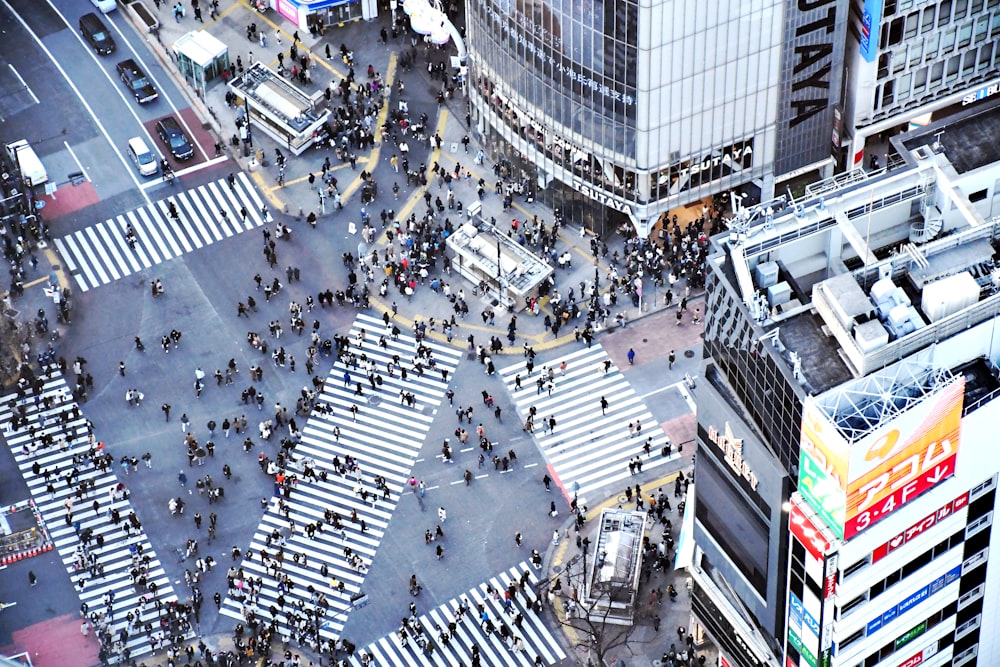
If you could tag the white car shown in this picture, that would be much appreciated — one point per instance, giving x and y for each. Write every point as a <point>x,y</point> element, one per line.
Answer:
<point>105,6</point>
<point>144,160</point>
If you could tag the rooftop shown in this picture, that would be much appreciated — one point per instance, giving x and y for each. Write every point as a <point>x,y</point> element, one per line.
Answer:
<point>968,142</point>
<point>870,268</point>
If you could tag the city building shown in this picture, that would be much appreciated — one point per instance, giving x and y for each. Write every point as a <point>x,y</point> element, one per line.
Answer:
<point>912,62</point>
<point>644,107</point>
<point>846,471</point>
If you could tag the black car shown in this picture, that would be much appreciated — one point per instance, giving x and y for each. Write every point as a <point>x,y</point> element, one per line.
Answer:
<point>96,34</point>
<point>135,80</point>
<point>174,138</point>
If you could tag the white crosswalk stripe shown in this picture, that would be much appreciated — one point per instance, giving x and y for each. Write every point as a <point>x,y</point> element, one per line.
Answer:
<point>384,440</point>
<point>587,450</point>
<point>53,413</point>
<point>100,253</point>
<point>519,621</point>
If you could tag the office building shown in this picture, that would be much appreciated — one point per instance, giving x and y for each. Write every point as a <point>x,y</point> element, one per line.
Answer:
<point>912,62</point>
<point>846,468</point>
<point>629,109</point>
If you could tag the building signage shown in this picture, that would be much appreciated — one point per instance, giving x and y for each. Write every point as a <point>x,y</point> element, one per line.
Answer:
<point>918,528</point>
<point>732,452</point>
<point>982,93</point>
<point>830,575</point>
<point>802,614</point>
<point>913,600</point>
<point>794,613</point>
<point>806,532</point>
<point>910,635</point>
<point>871,17</point>
<point>896,464</point>
<point>822,493</point>
<point>710,167</point>
<point>598,195</point>
<point>885,469</point>
<point>807,653</point>
<point>813,62</point>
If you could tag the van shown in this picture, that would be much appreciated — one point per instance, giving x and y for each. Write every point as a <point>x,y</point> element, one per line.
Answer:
<point>96,34</point>
<point>23,155</point>
<point>144,160</point>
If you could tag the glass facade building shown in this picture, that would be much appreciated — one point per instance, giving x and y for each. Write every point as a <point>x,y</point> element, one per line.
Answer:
<point>638,106</point>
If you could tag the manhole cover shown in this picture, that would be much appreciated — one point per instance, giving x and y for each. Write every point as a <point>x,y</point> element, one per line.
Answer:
<point>645,340</point>
<point>374,400</point>
<point>688,353</point>
<point>557,568</point>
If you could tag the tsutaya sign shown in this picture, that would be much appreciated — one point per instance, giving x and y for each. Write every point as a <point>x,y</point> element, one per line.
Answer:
<point>602,197</point>
<point>732,451</point>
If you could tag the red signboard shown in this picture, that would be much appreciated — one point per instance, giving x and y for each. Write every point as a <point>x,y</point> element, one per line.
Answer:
<point>914,661</point>
<point>919,527</point>
<point>902,494</point>
<point>806,532</point>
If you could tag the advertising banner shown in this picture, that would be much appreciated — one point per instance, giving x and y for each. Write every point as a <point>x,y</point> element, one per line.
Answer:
<point>852,487</point>
<point>903,459</point>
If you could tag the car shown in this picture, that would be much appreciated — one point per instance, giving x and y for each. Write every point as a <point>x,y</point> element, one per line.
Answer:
<point>144,160</point>
<point>105,6</point>
<point>135,80</point>
<point>96,34</point>
<point>174,139</point>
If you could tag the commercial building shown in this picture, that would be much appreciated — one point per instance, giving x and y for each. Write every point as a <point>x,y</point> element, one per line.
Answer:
<point>915,61</point>
<point>846,467</point>
<point>631,109</point>
<point>643,107</point>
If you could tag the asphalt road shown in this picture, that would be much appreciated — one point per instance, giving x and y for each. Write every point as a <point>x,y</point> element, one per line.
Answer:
<point>76,112</point>
<point>203,288</point>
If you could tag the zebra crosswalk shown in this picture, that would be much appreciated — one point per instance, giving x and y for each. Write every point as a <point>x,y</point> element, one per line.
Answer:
<point>118,576</point>
<point>103,253</point>
<point>446,636</point>
<point>306,582</point>
<point>590,448</point>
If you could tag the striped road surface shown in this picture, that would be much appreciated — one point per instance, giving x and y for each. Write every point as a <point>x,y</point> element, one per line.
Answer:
<point>100,254</point>
<point>385,441</point>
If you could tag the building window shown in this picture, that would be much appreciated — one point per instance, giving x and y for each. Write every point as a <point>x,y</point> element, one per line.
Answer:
<point>964,36</point>
<point>928,20</point>
<point>912,23</point>
<point>944,12</point>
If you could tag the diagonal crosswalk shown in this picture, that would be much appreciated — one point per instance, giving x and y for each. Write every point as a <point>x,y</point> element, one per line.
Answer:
<point>112,564</point>
<point>101,253</point>
<point>446,636</point>
<point>587,450</point>
<point>297,584</point>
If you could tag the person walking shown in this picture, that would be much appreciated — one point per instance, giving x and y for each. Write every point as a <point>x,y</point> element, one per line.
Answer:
<point>32,579</point>
<point>604,405</point>
<point>671,359</point>
<point>185,422</point>
<point>631,357</point>
<point>166,411</point>
<point>442,515</point>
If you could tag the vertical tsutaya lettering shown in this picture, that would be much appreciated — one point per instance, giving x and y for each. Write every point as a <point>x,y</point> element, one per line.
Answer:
<point>813,62</point>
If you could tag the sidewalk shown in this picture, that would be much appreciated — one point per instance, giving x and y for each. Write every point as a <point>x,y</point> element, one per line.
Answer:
<point>296,198</point>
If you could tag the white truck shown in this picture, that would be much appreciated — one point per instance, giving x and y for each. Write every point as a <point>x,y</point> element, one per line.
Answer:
<point>24,157</point>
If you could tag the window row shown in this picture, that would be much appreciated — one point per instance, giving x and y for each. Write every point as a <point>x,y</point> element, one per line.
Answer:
<point>985,30</point>
<point>929,80</point>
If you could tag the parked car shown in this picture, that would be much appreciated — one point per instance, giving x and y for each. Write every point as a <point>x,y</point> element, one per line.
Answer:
<point>143,158</point>
<point>135,80</point>
<point>93,30</point>
<point>105,6</point>
<point>174,139</point>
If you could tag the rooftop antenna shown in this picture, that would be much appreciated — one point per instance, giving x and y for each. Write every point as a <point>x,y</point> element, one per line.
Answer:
<point>937,141</point>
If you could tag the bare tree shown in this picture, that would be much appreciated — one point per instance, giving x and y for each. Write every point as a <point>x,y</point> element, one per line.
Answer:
<point>603,627</point>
